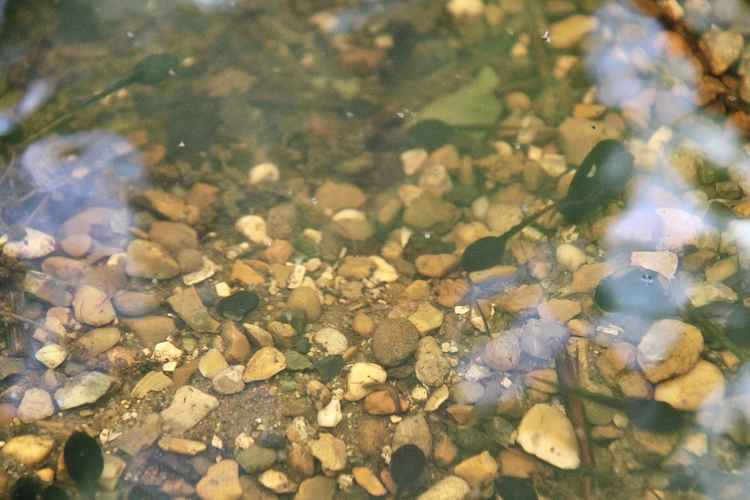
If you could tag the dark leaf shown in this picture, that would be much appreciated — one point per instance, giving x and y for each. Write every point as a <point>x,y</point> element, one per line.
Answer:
<point>83,460</point>
<point>407,464</point>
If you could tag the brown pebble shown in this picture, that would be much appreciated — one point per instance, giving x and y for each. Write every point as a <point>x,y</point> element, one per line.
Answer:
<point>189,260</point>
<point>363,324</point>
<point>76,245</point>
<point>306,299</point>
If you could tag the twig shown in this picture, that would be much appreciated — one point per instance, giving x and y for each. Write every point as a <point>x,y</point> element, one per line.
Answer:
<point>567,377</point>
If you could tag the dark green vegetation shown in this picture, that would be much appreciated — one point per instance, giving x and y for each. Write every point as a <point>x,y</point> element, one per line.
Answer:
<point>601,177</point>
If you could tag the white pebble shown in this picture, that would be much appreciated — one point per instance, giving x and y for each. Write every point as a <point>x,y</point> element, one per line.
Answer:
<point>34,245</point>
<point>264,172</point>
<point>570,256</point>
<point>254,229</point>
<point>330,416</point>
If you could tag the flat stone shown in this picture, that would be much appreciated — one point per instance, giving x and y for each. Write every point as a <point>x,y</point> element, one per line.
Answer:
<point>432,366</point>
<point>413,430</point>
<point>669,348</point>
<point>151,329</point>
<point>426,318</point>
<point>28,449</point>
<point>221,482</point>
<point>189,406</point>
<point>188,306</point>
<point>146,259</point>
<point>99,340</point>
<point>255,458</point>
<point>236,345</point>
<point>331,451</point>
<point>34,245</point>
<point>153,381</point>
<point>36,405</point>
<point>229,380</point>
<point>435,266</point>
<point>702,386</point>
<point>264,364</point>
<point>548,434</point>
<point>277,481</point>
<point>336,196</point>
<point>130,303</point>
<point>306,299</point>
<point>83,389</point>
<point>48,289</point>
<point>478,470</point>
<point>448,488</point>
<point>181,446</point>
<point>113,468</point>
<point>51,355</point>
<point>332,340</point>
<point>316,488</point>
<point>568,32</point>
<point>369,481</point>
<point>238,305</point>
<point>211,363</point>
<point>93,307</point>
<point>361,375</point>
<point>174,236</point>
<point>140,437</point>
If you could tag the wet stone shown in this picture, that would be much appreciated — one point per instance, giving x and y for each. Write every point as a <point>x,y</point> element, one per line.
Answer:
<point>229,380</point>
<point>51,355</point>
<point>92,306</point>
<point>237,347</point>
<point>299,362</point>
<point>130,303</point>
<point>332,340</point>
<point>151,382</point>
<point>255,458</point>
<point>35,405</point>
<point>189,406</point>
<point>221,482</point>
<point>28,449</point>
<point>451,487</point>
<point>181,446</point>
<point>238,305</point>
<point>503,352</point>
<point>99,340</point>
<point>187,304</point>
<point>413,430</point>
<point>141,436</point>
<point>316,488</point>
<point>35,244</point>
<point>83,389</point>
<point>331,452</point>
<point>432,365</point>
<point>264,364</point>
<point>174,236</point>
<point>151,329</point>
<point>146,259</point>
<point>543,339</point>
<point>306,299</point>
<point>394,341</point>
<point>547,433</point>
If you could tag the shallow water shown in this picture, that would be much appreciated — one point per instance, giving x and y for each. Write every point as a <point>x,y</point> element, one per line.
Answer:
<point>159,160</point>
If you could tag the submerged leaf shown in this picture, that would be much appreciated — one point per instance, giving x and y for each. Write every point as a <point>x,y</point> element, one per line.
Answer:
<point>26,488</point>
<point>83,460</point>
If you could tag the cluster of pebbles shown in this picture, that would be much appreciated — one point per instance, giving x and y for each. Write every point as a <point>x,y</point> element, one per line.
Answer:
<point>290,356</point>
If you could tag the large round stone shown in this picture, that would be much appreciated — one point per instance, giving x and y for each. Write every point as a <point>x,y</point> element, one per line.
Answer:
<point>394,341</point>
